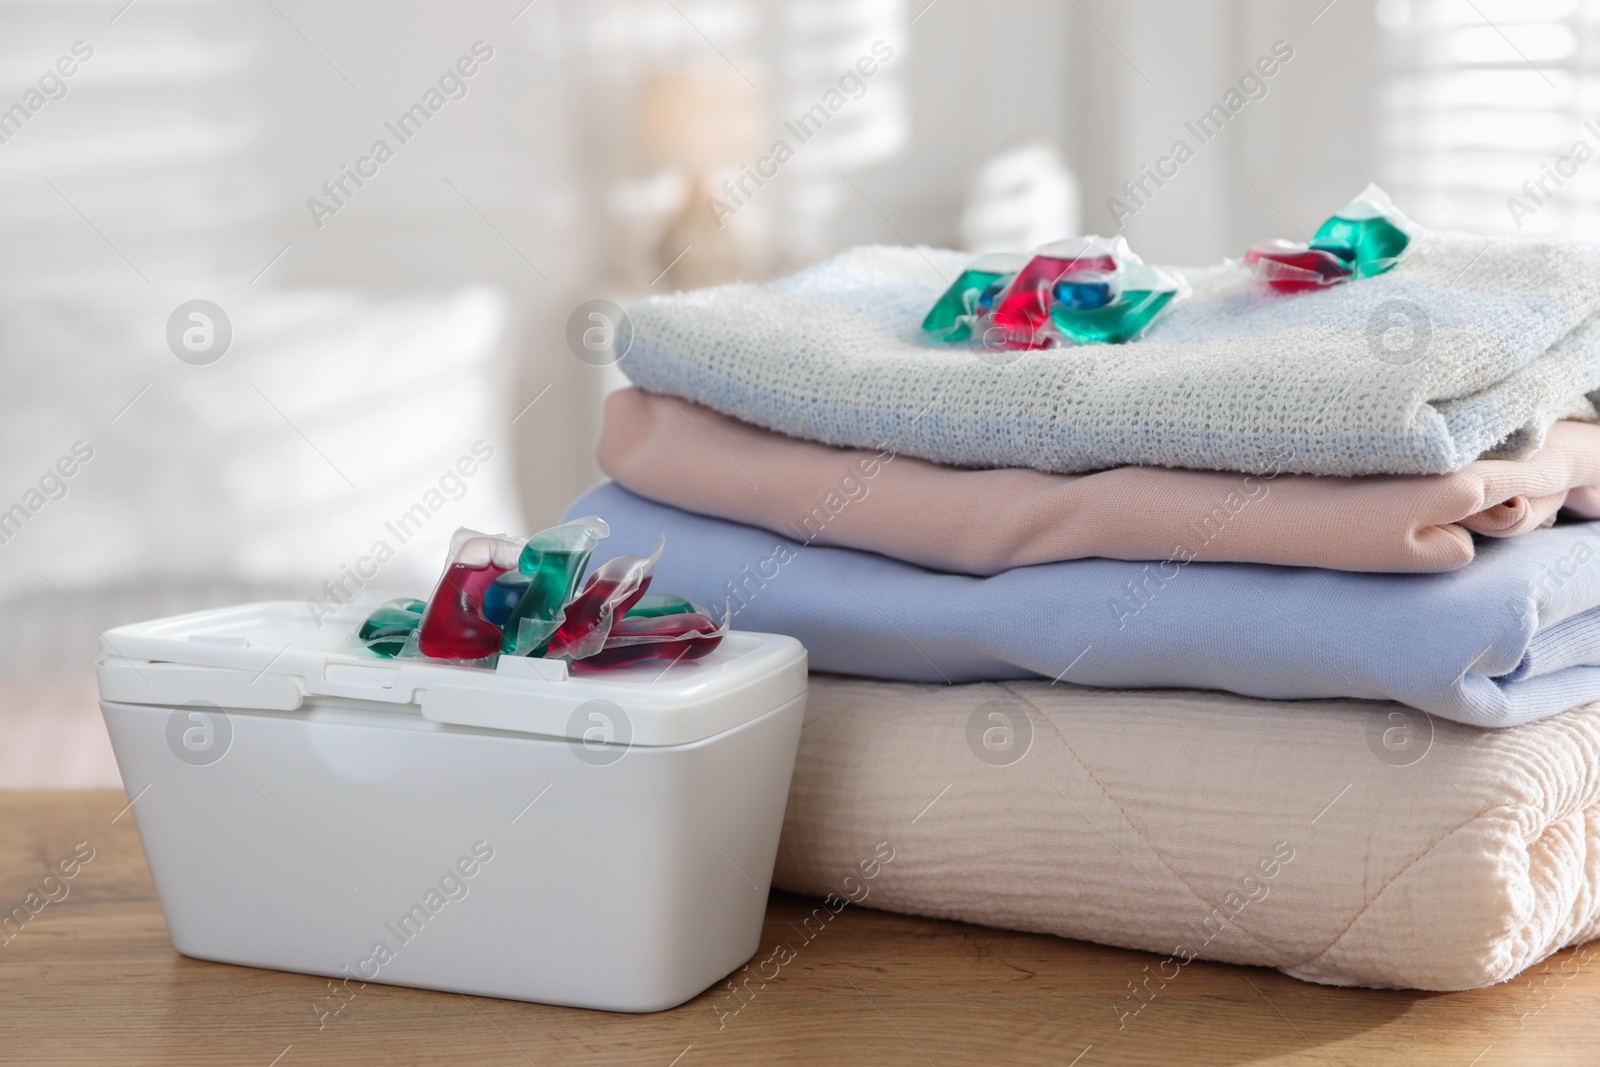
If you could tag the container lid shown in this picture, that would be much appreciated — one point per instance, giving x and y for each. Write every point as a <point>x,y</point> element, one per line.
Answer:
<point>273,656</point>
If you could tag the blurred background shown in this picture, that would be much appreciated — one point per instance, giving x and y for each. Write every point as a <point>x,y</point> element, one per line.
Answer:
<point>392,211</point>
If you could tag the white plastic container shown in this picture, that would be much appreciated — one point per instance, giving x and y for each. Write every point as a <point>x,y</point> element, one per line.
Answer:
<point>308,806</point>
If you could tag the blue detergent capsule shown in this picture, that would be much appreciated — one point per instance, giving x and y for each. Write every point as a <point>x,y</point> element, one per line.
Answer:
<point>502,598</point>
<point>1084,291</point>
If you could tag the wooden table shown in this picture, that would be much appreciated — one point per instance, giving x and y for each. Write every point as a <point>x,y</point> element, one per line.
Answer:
<point>93,979</point>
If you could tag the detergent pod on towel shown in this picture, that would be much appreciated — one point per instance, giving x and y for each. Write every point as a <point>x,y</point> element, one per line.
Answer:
<point>506,596</point>
<point>1363,239</point>
<point>972,295</point>
<point>1084,290</point>
<point>1113,309</point>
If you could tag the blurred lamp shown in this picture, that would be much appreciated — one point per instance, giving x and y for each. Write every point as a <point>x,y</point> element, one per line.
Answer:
<point>698,121</point>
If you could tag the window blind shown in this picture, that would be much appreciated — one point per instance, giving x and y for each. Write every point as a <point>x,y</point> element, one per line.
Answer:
<point>1488,117</point>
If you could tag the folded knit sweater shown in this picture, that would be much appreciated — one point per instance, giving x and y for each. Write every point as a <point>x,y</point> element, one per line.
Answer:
<point>1472,346</point>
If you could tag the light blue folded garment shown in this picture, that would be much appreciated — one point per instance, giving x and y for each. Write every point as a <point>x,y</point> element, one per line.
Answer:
<point>1512,637</point>
<point>1471,346</point>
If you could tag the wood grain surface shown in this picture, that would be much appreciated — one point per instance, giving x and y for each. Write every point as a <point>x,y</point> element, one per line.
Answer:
<point>92,979</point>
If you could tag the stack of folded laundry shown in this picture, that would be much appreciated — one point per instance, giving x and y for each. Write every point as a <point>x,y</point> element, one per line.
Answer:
<point>1255,638</point>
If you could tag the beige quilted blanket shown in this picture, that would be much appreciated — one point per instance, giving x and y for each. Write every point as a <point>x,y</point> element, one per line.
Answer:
<point>1342,842</point>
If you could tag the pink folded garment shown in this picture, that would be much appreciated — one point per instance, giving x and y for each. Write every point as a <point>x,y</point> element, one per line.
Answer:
<point>988,521</point>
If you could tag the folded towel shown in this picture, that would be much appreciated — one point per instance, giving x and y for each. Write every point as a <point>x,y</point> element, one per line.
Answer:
<point>985,522</point>
<point>1471,344</point>
<point>1341,842</point>
<point>1507,639</point>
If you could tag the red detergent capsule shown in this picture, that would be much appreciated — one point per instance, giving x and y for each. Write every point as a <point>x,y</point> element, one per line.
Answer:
<point>1292,268</point>
<point>606,597</point>
<point>453,626</point>
<point>1025,307</point>
<point>662,640</point>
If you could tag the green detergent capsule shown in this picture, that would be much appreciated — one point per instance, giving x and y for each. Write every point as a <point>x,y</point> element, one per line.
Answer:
<point>1370,233</point>
<point>387,628</point>
<point>655,605</point>
<point>553,561</point>
<point>951,317</point>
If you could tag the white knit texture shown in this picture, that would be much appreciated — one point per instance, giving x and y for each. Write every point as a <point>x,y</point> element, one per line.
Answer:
<point>1472,346</point>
